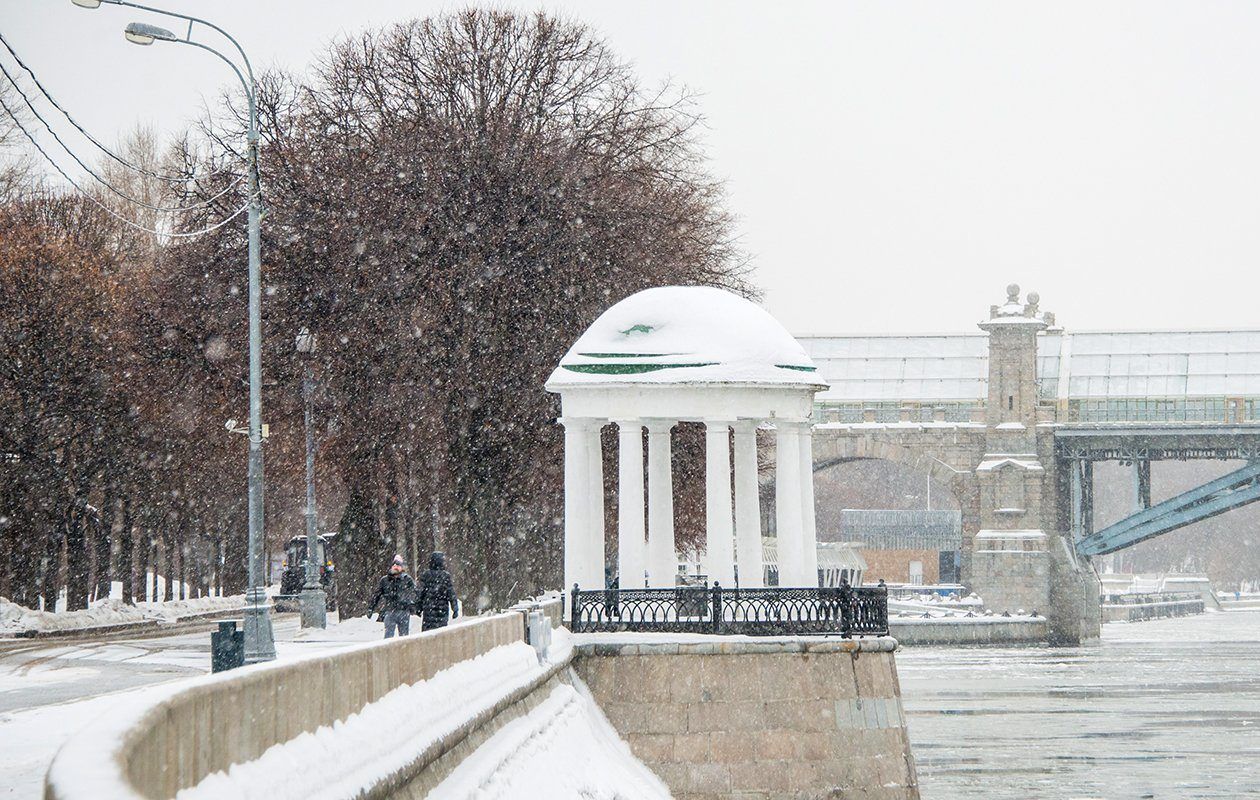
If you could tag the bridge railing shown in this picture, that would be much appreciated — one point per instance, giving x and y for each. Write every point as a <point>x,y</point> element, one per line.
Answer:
<point>771,611</point>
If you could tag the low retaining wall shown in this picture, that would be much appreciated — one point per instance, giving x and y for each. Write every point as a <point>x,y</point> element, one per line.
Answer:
<point>205,726</point>
<point>722,716</point>
<point>995,631</point>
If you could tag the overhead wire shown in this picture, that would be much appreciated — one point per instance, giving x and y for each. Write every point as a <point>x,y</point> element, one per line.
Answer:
<point>182,235</point>
<point>113,189</point>
<point>106,150</point>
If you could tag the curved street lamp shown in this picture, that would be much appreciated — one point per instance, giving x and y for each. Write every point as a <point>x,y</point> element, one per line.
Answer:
<point>259,640</point>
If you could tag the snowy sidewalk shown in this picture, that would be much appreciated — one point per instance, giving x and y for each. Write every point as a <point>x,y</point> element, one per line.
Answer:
<point>75,684</point>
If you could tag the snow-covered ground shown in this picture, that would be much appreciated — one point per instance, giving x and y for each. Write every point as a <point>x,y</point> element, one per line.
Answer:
<point>533,756</point>
<point>31,738</point>
<point>414,716</point>
<point>49,690</point>
<point>537,756</point>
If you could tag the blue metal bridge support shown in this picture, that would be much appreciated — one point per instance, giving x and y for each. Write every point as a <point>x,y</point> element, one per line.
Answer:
<point>1228,492</point>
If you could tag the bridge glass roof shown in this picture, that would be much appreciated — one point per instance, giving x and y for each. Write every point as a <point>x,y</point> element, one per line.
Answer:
<point>1169,365</point>
<point>873,368</point>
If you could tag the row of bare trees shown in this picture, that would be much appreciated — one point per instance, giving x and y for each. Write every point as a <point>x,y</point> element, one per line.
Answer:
<point>449,202</point>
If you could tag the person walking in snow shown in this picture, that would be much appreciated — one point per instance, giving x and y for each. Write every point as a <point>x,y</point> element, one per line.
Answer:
<point>396,595</point>
<point>437,593</point>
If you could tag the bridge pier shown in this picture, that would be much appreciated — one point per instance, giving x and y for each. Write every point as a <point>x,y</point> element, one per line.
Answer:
<point>1075,612</point>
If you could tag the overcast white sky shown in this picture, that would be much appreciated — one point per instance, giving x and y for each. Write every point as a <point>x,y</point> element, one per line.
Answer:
<point>893,165</point>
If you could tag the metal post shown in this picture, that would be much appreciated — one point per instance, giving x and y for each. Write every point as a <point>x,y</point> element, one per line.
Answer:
<point>259,642</point>
<point>1078,528</point>
<point>314,602</point>
<point>717,607</point>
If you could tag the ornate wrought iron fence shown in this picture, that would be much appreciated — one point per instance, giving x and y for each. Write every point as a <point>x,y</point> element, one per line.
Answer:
<point>772,611</point>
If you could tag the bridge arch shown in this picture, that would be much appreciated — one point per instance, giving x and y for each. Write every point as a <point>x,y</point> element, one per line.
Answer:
<point>948,455</point>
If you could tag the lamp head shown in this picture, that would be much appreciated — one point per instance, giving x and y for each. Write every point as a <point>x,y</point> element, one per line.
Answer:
<point>146,34</point>
<point>87,3</point>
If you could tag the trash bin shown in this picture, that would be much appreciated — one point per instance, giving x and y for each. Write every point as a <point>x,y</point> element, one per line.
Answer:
<point>227,647</point>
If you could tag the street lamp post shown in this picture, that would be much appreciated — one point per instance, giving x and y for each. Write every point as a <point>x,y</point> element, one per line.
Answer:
<point>259,641</point>
<point>314,602</point>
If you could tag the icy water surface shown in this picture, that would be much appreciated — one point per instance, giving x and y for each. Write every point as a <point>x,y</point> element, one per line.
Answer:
<point>1163,709</point>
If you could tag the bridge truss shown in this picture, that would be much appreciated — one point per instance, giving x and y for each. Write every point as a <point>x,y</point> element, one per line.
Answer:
<point>1079,448</point>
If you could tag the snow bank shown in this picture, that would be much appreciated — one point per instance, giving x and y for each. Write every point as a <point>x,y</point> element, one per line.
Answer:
<point>353,629</point>
<point>385,736</point>
<point>564,748</point>
<point>15,619</point>
<point>363,629</point>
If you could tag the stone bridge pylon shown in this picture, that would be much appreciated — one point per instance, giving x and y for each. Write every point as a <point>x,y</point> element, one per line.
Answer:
<point>1001,467</point>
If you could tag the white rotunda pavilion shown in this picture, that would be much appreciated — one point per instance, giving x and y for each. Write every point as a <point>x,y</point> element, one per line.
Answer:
<point>686,353</point>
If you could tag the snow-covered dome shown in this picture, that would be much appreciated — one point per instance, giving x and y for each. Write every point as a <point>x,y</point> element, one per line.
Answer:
<point>686,335</point>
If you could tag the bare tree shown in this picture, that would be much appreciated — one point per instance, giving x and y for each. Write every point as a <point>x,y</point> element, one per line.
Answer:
<point>450,202</point>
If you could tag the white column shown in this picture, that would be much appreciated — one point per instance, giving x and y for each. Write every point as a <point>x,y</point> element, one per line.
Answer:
<point>662,563</point>
<point>631,547</point>
<point>594,565</point>
<point>809,526</point>
<point>577,504</point>
<point>719,550</point>
<point>747,507</point>
<point>787,501</point>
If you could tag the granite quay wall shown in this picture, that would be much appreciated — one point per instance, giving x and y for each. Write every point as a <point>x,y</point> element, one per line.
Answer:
<point>1174,606</point>
<point>720,717</point>
<point>998,631</point>
<point>233,717</point>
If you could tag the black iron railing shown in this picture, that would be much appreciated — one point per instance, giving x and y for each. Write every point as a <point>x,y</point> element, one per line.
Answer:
<point>772,611</point>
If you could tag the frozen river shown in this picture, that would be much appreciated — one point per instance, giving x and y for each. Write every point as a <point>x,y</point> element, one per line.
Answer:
<point>1163,709</point>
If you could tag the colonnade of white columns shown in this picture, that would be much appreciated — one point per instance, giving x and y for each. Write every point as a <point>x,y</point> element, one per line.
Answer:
<point>648,557</point>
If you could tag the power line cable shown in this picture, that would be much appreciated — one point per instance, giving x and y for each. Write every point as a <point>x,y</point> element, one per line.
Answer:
<point>89,136</point>
<point>104,207</point>
<point>113,189</point>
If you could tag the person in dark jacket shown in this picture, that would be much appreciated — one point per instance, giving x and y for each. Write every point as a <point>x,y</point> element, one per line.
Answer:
<point>396,595</point>
<point>437,593</point>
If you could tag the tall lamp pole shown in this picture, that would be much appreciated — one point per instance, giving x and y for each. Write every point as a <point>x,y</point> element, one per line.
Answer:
<point>314,602</point>
<point>259,641</point>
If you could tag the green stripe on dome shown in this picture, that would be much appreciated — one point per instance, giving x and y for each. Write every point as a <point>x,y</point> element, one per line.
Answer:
<point>627,369</point>
<point>626,355</point>
<point>797,367</point>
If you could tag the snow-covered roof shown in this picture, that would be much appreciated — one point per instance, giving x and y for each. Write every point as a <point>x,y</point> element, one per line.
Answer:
<point>685,335</point>
<point>1070,365</point>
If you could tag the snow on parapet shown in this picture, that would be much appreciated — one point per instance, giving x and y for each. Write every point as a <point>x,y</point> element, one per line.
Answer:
<point>686,334</point>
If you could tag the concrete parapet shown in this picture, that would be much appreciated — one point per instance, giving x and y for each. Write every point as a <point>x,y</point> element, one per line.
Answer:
<point>756,718</point>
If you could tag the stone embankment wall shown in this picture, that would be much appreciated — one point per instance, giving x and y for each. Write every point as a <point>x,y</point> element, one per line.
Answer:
<point>234,717</point>
<point>719,717</point>
<point>998,631</point>
<point>1182,606</point>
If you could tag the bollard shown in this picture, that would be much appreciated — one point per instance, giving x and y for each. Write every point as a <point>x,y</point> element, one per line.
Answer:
<point>227,647</point>
<point>539,630</point>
